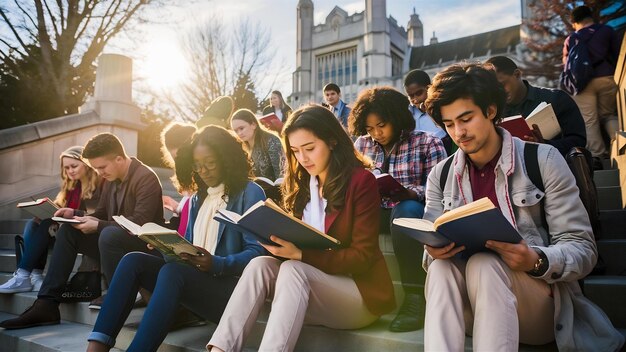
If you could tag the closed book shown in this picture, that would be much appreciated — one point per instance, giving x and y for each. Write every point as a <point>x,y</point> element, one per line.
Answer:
<point>389,186</point>
<point>271,122</point>
<point>517,126</point>
<point>166,241</point>
<point>544,117</point>
<point>470,225</point>
<point>42,208</point>
<point>265,218</point>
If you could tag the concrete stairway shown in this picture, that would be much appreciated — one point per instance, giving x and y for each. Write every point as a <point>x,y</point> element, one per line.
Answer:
<point>78,321</point>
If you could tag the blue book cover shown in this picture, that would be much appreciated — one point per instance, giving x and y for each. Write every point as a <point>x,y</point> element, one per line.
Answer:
<point>265,218</point>
<point>469,230</point>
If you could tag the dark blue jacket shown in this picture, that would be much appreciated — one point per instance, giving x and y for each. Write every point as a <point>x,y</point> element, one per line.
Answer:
<point>573,132</point>
<point>234,249</point>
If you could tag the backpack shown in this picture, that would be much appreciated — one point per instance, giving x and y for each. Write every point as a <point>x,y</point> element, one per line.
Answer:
<point>578,69</point>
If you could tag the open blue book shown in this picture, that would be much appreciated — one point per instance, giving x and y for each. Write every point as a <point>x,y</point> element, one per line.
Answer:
<point>265,218</point>
<point>470,225</point>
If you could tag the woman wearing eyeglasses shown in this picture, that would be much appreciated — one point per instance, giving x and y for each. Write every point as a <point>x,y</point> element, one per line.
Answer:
<point>217,167</point>
<point>326,184</point>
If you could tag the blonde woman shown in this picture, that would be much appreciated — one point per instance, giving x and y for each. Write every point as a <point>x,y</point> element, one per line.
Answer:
<point>79,190</point>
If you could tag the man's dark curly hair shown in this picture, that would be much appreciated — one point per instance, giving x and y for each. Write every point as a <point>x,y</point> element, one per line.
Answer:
<point>389,104</point>
<point>232,159</point>
<point>465,81</point>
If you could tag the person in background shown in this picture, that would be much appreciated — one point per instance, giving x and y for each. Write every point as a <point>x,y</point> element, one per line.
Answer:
<point>596,101</point>
<point>515,293</point>
<point>277,106</point>
<point>416,84</point>
<point>264,147</point>
<point>332,97</point>
<point>80,189</point>
<point>216,166</point>
<point>522,98</point>
<point>327,185</point>
<point>217,113</point>
<point>387,135</point>
<point>173,136</point>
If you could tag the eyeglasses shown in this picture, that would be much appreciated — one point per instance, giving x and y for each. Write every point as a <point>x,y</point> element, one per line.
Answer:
<point>206,166</point>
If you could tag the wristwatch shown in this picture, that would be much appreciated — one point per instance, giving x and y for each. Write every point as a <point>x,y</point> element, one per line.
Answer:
<point>541,265</point>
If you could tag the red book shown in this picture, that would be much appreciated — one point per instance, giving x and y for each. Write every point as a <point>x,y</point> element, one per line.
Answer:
<point>389,186</point>
<point>517,126</point>
<point>271,122</point>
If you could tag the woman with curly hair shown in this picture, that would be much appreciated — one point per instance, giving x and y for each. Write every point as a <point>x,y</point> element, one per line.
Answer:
<point>326,184</point>
<point>216,166</point>
<point>385,129</point>
<point>80,189</point>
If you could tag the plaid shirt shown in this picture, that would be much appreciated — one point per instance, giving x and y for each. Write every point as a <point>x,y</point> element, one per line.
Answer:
<point>410,161</point>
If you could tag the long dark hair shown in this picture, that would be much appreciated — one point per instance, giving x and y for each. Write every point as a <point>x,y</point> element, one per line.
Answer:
<point>232,160</point>
<point>343,159</point>
<point>261,135</point>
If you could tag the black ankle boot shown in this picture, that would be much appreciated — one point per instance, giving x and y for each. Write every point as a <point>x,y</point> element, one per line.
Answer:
<point>410,317</point>
<point>42,312</point>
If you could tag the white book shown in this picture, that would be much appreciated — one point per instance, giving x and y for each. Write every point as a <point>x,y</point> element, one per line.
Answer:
<point>544,117</point>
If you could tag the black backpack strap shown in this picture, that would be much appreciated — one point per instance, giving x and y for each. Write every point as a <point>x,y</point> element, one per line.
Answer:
<point>532,165</point>
<point>531,161</point>
<point>444,173</point>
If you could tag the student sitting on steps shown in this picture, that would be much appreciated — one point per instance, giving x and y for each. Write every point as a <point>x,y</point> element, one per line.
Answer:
<point>517,293</point>
<point>326,185</point>
<point>217,166</point>
<point>80,190</point>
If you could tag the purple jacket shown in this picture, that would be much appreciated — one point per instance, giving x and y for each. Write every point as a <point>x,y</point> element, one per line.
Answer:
<point>603,44</point>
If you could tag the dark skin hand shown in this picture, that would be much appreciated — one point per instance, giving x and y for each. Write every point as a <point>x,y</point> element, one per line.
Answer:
<point>202,261</point>
<point>537,137</point>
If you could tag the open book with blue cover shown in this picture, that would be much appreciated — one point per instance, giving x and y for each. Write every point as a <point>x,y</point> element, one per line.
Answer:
<point>265,218</point>
<point>470,225</point>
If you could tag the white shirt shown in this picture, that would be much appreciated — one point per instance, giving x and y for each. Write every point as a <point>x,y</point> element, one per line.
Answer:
<point>314,212</point>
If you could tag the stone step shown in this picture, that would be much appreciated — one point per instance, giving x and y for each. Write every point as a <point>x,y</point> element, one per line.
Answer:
<point>613,253</point>
<point>7,241</point>
<point>605,178</point>
<point>65,337</point>
<point>12,226</point>
<point>608,292</point>
<point>610,198</point>
<point>613,224</point>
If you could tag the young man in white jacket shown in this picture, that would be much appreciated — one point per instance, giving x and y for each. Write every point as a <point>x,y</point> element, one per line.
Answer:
<point>526,292</point>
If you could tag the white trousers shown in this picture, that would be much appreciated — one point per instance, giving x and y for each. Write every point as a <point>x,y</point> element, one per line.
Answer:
<point>499,307</point>
<point>301,293</point>
<point>598,105</point>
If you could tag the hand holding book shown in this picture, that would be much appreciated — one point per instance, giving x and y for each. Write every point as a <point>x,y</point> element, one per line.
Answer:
<point>285,249</point>
<point>202,259</point>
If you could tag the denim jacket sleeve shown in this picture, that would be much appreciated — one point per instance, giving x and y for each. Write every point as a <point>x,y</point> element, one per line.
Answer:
<point>235,259</point>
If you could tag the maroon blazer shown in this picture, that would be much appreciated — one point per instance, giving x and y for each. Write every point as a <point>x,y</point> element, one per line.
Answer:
<point>356,226</point>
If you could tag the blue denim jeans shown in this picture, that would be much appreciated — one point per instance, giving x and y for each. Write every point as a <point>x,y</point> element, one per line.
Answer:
<point>171,284</point>
<point>36,242</point>
<point>408,251</point>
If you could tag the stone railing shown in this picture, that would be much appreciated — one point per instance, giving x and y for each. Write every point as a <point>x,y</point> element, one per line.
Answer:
<point>29,154</point>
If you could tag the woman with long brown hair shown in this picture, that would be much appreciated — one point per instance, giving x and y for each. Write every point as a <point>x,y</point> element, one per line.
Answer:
<point>326,184</point>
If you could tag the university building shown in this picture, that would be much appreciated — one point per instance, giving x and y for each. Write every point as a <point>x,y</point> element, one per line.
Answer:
<point>369,48</point>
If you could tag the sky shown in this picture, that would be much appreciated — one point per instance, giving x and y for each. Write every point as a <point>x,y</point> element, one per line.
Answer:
<point>160,61</point>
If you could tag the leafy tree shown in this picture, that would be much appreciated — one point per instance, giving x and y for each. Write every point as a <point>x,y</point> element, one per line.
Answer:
<point>48,49</point>
<point>549,24</point>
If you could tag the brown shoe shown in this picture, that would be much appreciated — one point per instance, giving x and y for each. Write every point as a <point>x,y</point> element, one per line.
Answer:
<point>42,312</point>
<point>97,303</point>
